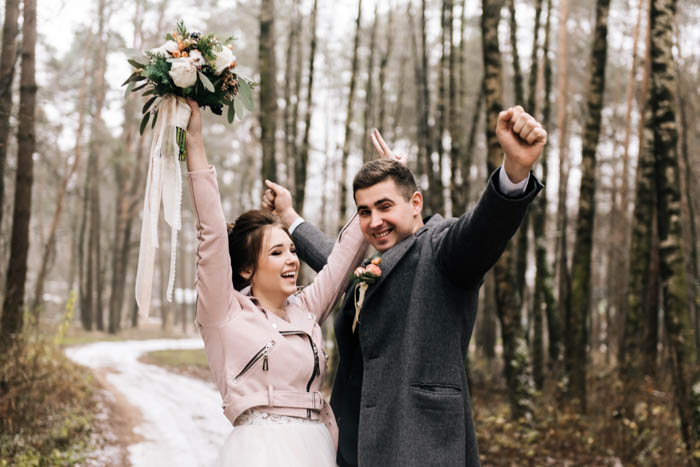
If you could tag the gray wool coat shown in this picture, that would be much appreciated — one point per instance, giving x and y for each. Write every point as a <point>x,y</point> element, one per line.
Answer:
<point>415,325</point>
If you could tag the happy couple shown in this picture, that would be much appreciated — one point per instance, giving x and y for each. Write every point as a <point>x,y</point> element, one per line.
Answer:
<point>400,396</point>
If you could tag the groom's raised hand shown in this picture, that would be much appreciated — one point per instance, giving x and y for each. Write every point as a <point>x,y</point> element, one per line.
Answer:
<point>522,139</point>
<point>278,200</point>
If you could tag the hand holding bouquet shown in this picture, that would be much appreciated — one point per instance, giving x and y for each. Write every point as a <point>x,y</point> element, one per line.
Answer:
<point>187,65</point>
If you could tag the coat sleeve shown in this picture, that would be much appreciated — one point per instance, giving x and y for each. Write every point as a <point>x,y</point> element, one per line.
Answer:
<point>313,246</point>
<point>213,282</point>
<point>467,249</point>
<point>349,250</point>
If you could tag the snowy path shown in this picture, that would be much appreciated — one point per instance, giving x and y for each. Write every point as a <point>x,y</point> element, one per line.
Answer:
<point>183,423</point>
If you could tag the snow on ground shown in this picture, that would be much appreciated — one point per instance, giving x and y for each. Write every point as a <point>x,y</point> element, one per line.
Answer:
<point>183,423</point>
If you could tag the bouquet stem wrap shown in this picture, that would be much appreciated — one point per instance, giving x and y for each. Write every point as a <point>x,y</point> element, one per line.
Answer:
<point>164,183</point>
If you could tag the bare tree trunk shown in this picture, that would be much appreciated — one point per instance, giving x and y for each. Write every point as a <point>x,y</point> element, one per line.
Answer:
<point>672,266</point>
<point>383,64</point>
<point>367,151</point>
<point>422,165</point>
<point>268,88</point>
<point>348,121</point>
<point>13,305</point>
<point>455,117</point>
<point>96,138</point>
<point>435,202</point>
<point>442,97</point>
<point>583,247</point>
<point>561,255</point>
<point>517,74</point>
<point>466,161</point>
<point>8,58</point>
<point>531,106</point>
<point>516,356</point>
<point>289,139</point>
<point>631,320</point>
<point>688,212</point>
<point>302,161</point>
<point>520,246</point>
<point>50,245</point>
<point>544,294</point>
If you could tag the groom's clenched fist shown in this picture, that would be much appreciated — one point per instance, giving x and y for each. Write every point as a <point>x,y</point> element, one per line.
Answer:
<point>278,199</point>
<point>522,139</point>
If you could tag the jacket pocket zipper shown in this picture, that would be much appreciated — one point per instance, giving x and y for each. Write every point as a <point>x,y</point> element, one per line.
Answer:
<point>317,367</point>
<point>262,353</point>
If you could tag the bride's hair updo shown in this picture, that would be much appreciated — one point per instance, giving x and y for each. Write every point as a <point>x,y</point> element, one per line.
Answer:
<point>245,241</point>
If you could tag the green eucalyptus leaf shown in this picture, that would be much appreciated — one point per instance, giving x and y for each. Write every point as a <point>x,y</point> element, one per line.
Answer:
<point>155,118</point>
<point>205,81</point>
<point>231,112</point>
<point>129,88</point>
<point>139,87</point>
<point>245,93</point>
<point>136,64</point>
<point>148,92</point>
<point>239,107</point>
<point>144,122</point>
<point>130,78</point>
<point>148,104</point>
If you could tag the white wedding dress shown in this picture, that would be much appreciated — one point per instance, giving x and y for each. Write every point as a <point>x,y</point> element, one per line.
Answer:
<point>260,439</point>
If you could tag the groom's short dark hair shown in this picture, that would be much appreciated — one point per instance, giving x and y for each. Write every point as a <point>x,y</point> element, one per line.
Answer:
<point>377,171</point>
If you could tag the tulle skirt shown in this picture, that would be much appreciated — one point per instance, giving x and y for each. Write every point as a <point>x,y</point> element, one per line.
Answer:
<point>264,440</point>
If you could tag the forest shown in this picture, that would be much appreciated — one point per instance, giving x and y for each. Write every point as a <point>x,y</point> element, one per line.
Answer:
<point>586,348</point>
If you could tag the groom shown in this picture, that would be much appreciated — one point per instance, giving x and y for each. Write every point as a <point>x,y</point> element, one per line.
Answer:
<point>400,394</point>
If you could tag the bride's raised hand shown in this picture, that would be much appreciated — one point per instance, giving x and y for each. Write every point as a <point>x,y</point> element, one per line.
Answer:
<point>196,156</point>
<point>382,149</point>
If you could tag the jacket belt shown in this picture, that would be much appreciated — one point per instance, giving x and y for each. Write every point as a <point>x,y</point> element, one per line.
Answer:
<point>291,399</point>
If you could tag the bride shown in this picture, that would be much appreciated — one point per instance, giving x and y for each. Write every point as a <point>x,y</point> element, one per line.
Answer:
<point>262,339</point>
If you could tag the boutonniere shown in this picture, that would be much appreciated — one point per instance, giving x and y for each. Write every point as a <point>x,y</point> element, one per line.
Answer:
<point>365,275</point>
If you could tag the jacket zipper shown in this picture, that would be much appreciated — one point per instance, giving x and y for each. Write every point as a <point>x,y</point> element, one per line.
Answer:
<point>317,365</point>
<point>262,353</point>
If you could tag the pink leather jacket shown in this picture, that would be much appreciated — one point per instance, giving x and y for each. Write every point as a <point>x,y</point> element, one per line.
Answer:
<point>256,358</point>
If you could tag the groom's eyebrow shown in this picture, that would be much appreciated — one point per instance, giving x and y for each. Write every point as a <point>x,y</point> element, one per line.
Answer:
<point>376,203</point>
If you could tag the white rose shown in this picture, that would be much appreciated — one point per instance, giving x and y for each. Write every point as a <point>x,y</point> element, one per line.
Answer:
<point>196,58</point>
<point>183,72</point>
<point>224,58</point>
<point>166,49</point>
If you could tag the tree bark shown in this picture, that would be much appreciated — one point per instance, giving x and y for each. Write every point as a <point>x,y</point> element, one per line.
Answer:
<point>268,88</point>
<point>383,64</point>
<point>583,246</point>
<point>531,106</point>
<point>435,200</point>
<point>520,246</point>
<point>561,256</point>
<point>517,74</point>
<point>516,356</point>
<point>300,166</point>
<point>671,263</point>
<point>13,305</point>
<point>289,139</point>
<point>368,119</point>
<point>348,121</point>
<point>95,276</point>
<point>544,294</point>
<point>8,58</point>
<point>455,116</point>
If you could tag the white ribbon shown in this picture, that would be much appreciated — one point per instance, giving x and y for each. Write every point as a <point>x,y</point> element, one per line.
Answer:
<point>360,291</point>
<point>164,183</point>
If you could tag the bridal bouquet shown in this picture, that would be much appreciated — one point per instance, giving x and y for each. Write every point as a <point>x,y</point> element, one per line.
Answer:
<point>192,65</point>
<point>188,65</point>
